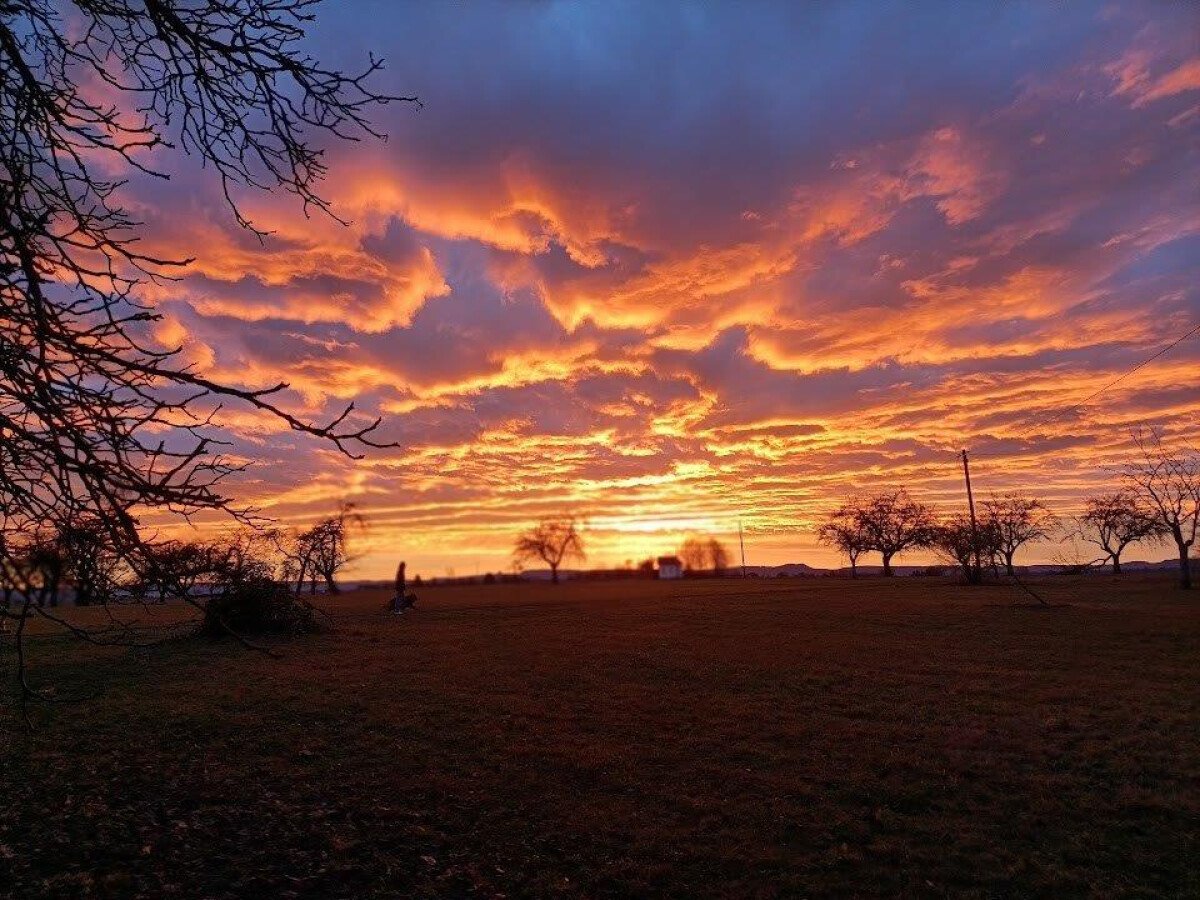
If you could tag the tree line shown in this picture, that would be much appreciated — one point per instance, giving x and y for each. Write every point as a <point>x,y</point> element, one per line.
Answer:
<point>1158,500</point>
<point>76,554</point>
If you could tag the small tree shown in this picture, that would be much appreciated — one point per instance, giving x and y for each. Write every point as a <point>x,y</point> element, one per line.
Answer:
<point>691,554</point>
<point>89,560</point>
<point>245,597</point>
<point>1016,521</point>
<point>32,570</point>
<point>552,541</point>
<point>1168,481</point>
<point>892,523</point>
<point>245,554</point>
<point>1114,521</point>
<point>718,556</point>
<point>968,544</point>
<point>323,550</point>
<point>174,567</point>
<point>841,529</point>
<point>704,554</point>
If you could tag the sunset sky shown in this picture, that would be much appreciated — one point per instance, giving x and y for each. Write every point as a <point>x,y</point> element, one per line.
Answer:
<point>665,266</point>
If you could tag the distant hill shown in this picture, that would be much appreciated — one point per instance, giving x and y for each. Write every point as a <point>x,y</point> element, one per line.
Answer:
<point>787,570</point>
<point>796,570</point>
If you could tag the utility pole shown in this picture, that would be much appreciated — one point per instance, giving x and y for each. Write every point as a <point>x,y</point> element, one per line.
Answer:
<point>971,504</point>
<point>742,544</point>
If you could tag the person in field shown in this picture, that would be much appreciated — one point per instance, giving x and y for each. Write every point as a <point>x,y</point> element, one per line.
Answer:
<point>401,599</point>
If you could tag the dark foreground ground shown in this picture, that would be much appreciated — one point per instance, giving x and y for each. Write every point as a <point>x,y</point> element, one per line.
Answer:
<point>740,739</point>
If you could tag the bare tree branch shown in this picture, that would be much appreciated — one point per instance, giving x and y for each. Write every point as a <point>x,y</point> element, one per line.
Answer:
<point>97,422</point>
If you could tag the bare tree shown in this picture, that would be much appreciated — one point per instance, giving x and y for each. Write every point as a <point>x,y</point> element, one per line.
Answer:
<point>1017,521</point>
<point>968,544</point>
<point>92,567</point>
<point>246,594</point>
<point>248,554</point>
<point>1114,521</point>
<point>893,522</point>
<point>718,556</point>
<point>552,540</point>
<point>692,554</point>
<point>324,549</point>
<point>32,571</point>
<point>841,529</point>
<point>700,554</point>
<point>175,567</point>
<point>1169,483</point>
<point>94,418</point>
<point>50,559</point>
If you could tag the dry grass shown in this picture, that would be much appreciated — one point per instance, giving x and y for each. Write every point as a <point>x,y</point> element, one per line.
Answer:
<point>730,738</point>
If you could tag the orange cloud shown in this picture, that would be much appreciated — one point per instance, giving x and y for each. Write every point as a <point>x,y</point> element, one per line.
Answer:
<point>1132,74</point>
<point>668,324</point>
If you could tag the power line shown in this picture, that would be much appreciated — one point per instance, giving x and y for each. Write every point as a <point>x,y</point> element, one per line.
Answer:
<point>1145,362</point>
<point>1088,399</point>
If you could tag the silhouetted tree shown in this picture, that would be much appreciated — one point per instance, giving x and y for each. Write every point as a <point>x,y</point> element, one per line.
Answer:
<point>1114,521</point>
<point>324,549</point>
<point>1016,521</point>
<point>893,522</point>
<point>175,567</point>
<point>245,596</point>
<point>841,529</point>
<point>691,554</point>
<point>32,570</point>
<point>93,417</point>
<point>718,556</point>
<point>247,553</point>
<point>699,554</point>
<point>91,565</point>
<point>968,545</point>
<point>552,541</point>
<point>1168,481</point>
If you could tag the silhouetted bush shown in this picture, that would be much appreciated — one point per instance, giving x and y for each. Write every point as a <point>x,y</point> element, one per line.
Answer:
<point>256,606</point>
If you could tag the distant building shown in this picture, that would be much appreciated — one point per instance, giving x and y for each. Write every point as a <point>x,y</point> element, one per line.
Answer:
<point>670,567</point>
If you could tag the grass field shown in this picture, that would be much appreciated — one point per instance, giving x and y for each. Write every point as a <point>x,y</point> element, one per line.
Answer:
<point>731,738</point>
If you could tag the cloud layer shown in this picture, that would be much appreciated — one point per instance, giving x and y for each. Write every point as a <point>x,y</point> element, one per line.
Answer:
<point>672,266</point>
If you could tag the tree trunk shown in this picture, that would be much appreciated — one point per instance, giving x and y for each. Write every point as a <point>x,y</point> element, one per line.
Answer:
<point>1185,567</point>
<point>853,567</point>
<point>330,584</point>
<point>553,574</point>
<point>887,564</point>
<point>1008,564</point>
<point>1116,558</point>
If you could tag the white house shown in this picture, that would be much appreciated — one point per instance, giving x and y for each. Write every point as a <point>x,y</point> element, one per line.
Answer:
<point>670,567</point>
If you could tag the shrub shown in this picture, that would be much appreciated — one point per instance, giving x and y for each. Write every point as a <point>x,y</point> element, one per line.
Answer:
<point>254,606</point>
